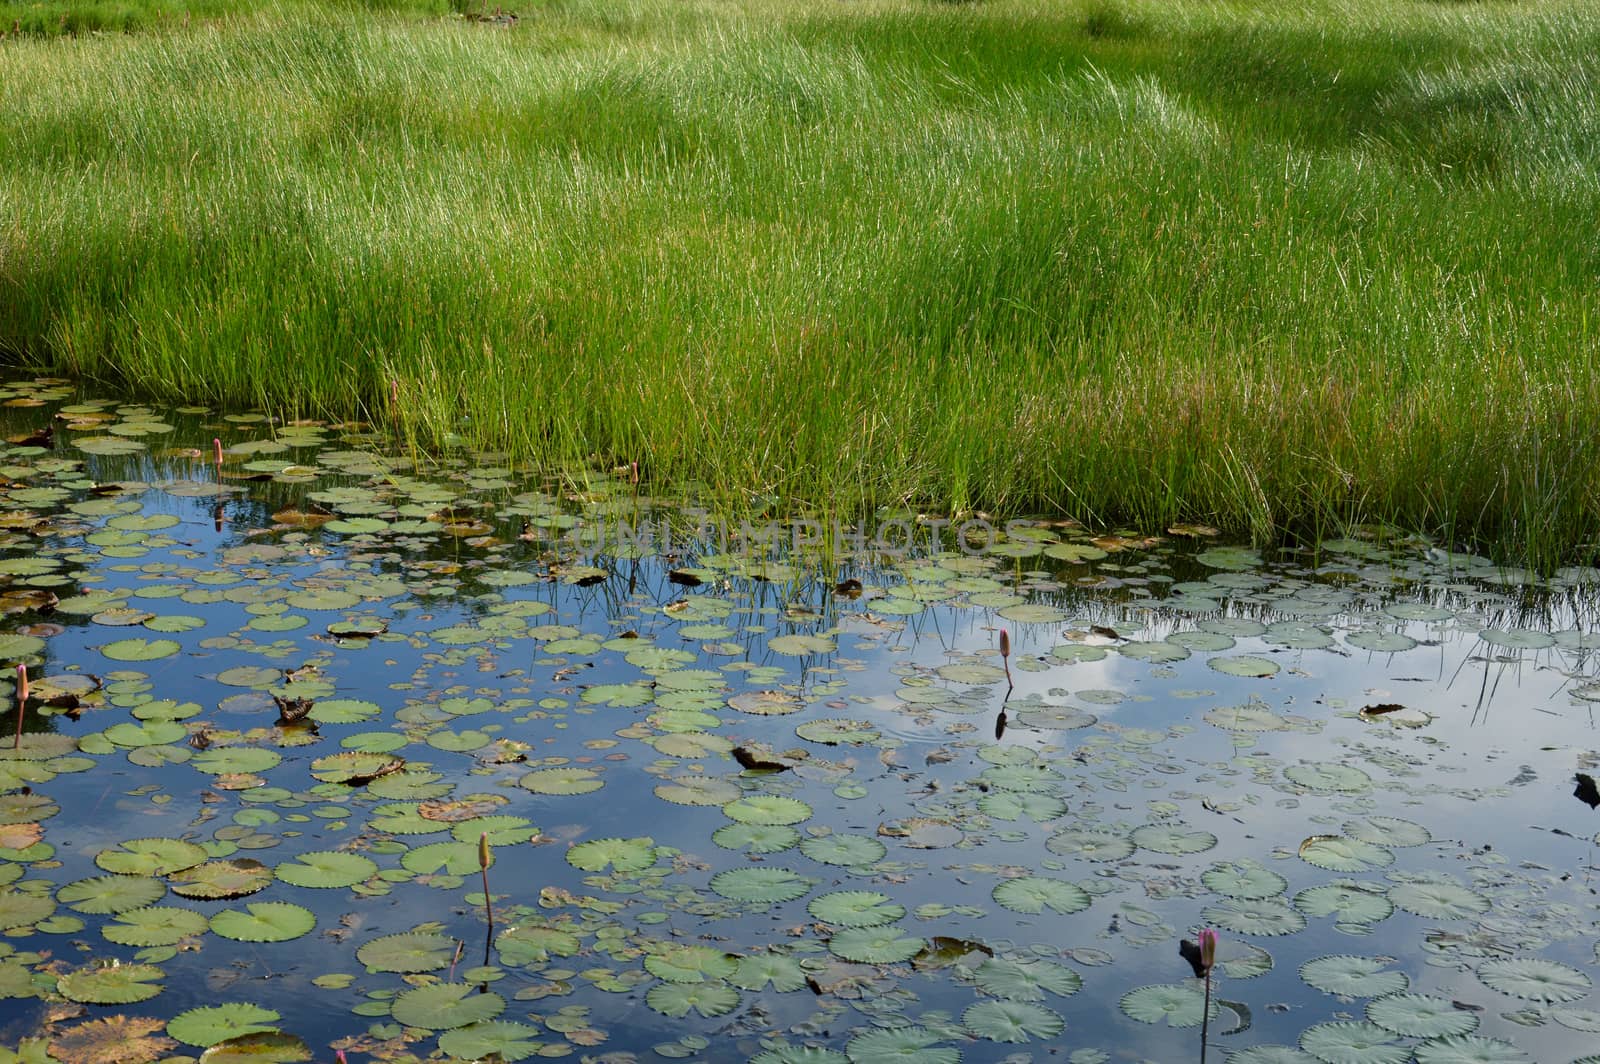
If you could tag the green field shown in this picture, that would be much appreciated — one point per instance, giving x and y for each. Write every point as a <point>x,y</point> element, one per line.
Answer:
<point>1280,268</point>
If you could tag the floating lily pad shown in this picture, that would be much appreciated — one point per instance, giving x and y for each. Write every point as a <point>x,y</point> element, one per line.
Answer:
<point>767,809</point>
<point>1012,1021</point>
<point>1353,1042</point>
<point>705,999</point>
<point>150,857</point>
<point>535,944</point>
<point>326,869</point>
<point>913,1045</point>
<point>855,908</point>
<point>415,951</point>
<point>1438,900</point>
<point>1470,1049</point>
<point>623,855</point>
<point>442,1006</point>
<point>1175,1004</point>
<point>111,894</point>
<point>503,1038</point>
<point>698,790</point>
<point>691,964</point>
<point>1020,980</point>
<point>1339,854</point>
<point>120,984</point>
<point>562,781</point>
<point>140,649</point>
<point>839,848</point>
<point>264,921</point>
<point>1351,976</point>
<point>1420,1016</point>
<point>1035,894</point>
<point>210,1024</point>
<point>1091,844</point>
<point>1534,979</point>
<point>222,879</point>
<point>1243,881</point>
<point>1172,839</point>
<point>156,925</point>
<point>757,838</point>
<point>1247,665</point>
<point>757,971</point>
<point>883,944</point>
<point>1261,916</point>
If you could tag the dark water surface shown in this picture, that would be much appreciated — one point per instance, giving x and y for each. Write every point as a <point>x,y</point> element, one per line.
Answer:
<point>582,672</point>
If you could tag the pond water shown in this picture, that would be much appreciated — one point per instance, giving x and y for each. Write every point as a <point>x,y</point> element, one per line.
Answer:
<point>756,793</point>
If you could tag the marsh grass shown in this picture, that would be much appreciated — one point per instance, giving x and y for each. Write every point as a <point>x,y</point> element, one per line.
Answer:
<point>1131,262</point>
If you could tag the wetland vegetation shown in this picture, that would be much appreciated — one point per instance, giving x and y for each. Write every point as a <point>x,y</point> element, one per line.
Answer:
<point>1130,261</point>
<point>289,714</point>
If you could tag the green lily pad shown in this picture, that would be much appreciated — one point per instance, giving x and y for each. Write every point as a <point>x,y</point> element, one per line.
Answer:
<point>503,1038</point>
<point>121,984</point>
<point>698,790</point>
<point>561,781</point>
<point>326,869</point>
<point>1471,1049</point>
<point>757,971</point>
<point>1535,979</point>
<point>1035,894</point>
<point>1351,976</point>
<point>1012,1021</point>
<point>1420,1016</point>
<point>855,908</point>
<point>760,885</point>
<point>691,964</point>
<point>623,855</point>
<point>1025,980</point>
<point>412,951</point>
<point>767,809</point>
<point>150,857</point>
<point>838,848</point>
<point>875,945</point>
<point>140,649</point>
<point>442,1006</point>
<point>111,894</point>
<point>1175,1004</point>
<point>264,921</point>
<point>1353,1042</point>
<point>210,1024</point>
<point>891,1045</point>
<point>757,838</point>
<point>222,879</point>
<point>156,925</point>
<point>705,999</point>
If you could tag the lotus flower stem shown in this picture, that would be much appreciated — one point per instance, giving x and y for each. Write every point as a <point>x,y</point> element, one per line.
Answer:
<point>1005,657</point>
<point>488,907</point>
<point>22,703</point>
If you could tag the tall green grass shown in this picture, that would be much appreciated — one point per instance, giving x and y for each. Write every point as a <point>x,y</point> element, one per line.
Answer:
<point>1137,262</point>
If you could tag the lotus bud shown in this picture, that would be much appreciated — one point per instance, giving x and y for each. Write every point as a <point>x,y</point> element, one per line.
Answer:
<point>22,684</point>
<point>1005,643</point>
<point>216,450</point>
<point>1208,949</point>
<point>483,850</point>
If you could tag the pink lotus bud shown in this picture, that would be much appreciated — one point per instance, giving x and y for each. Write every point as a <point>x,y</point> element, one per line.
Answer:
<point>340,1058</point>
<point>1005,643</point>
<point>22,684</point>
<point>216,450</point>
<point>1208,948</point>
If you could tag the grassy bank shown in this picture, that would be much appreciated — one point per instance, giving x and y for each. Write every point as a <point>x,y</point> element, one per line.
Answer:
<point>1134,262</point>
